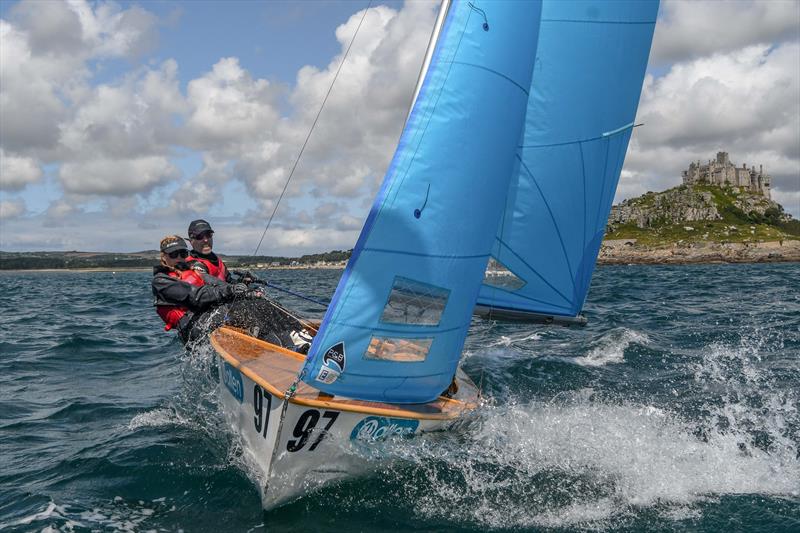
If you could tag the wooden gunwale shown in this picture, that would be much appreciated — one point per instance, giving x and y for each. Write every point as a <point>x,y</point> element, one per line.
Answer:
<point>257,357</point>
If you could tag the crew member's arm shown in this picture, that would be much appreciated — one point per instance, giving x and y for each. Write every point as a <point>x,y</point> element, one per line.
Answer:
<point>195,298</point>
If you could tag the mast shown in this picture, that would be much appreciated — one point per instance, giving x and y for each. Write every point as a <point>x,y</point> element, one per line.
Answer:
<point>437,30</point>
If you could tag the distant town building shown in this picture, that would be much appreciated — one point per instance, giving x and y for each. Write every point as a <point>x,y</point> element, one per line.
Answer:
<point>723,173</point>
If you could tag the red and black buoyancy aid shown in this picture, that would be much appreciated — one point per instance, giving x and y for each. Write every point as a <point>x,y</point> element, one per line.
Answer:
<point>172,314</point>
<point>216,269</point>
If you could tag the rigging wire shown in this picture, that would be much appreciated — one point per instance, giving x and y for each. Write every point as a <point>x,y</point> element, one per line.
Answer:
<point>321,107</point>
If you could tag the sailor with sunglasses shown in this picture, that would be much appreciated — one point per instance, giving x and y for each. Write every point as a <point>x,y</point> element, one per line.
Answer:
<point>183,294</point>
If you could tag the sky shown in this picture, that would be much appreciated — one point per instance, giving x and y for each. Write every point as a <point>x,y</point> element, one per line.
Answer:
<point>120,122</point>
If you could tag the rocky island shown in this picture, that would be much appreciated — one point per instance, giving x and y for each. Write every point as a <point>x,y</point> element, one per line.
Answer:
<point>721,213</point>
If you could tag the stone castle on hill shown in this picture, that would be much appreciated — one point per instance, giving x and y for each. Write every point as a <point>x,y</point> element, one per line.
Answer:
<point>726,174</point>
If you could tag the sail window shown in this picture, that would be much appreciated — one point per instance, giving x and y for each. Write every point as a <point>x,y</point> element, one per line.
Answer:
<point>414,302</point>
<point>499,276</point>
<point>401,350</point>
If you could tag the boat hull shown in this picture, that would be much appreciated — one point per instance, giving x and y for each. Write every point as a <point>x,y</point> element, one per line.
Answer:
<point>303,443</point>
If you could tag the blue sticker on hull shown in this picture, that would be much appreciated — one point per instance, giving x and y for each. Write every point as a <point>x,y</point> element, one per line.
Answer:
<point>232,379</point>
<point>375,428</point>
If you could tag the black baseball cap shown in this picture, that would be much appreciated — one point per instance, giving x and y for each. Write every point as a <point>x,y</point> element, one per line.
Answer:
<point>199,226</point>
<point>172,243</point>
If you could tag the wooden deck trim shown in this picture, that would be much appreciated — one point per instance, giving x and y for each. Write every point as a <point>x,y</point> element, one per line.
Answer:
<point>264,344</point>
<point>340,405</point>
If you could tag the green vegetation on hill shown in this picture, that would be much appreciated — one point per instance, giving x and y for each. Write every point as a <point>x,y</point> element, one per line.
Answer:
<point>764,221</point>
<point>64,260</point>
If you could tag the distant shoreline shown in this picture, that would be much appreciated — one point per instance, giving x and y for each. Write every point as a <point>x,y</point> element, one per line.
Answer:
<point>612,252</point>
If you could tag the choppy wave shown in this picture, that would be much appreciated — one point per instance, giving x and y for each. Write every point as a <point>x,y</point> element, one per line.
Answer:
<point>157,418</point>
<point>116,515</point>
<point>608,348</point>
<point>606,458</point>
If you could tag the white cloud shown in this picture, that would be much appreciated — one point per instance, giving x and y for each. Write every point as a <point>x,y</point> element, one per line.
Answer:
<point>30,106</point>
<point>16,172</point>
<point>60,209</point>
<point>43,63</point>
<point>228,106</point>
<point>116,177</point>
<point>749,96</point>
<point>693,29</point>
<point>130,120</point>
<point>354,139</point>
<point>746,102</point>
<point>117,139</point>
<point>107,30</point>
<point>11,208</point>
<point>52,27</point>
<point>195,197</point>
<point>49,111</point>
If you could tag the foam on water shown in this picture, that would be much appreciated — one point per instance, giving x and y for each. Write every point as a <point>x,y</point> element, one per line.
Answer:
<point>609,348</point>
<point>116,515</point>
<point>156,418</point>
<point>511,340</point>
<point>591,459</point>
<point>743,395</point>
<point>581,460</point>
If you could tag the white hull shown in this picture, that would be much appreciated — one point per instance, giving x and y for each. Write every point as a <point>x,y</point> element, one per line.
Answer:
<point>298,448</point>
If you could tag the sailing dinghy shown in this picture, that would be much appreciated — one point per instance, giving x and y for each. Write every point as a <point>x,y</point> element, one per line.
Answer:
<point>384,360</point>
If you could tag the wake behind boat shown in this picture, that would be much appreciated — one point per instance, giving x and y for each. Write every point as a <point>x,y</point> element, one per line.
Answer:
<point>520,106</point>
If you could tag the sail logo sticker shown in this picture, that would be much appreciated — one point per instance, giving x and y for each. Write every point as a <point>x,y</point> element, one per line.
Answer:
<point>327,375</point>
<point>335,355</point>
<point>232,379</point>
<point>375,428</point>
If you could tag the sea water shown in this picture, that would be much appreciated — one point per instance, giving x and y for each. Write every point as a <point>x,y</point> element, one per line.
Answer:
<point>676,408</point>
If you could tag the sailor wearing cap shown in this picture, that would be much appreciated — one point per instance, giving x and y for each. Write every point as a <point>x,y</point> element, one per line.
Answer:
<point>181,293</point>
<point>202,258</point>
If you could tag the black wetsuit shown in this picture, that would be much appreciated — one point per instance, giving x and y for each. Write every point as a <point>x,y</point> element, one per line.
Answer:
<point>213,304</point>
<point>197,300</point>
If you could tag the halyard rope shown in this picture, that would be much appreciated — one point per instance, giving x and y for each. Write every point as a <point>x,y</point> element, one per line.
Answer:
<point>321,107</point>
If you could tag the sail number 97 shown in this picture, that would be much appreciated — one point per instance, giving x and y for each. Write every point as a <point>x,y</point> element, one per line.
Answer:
<point>306,425</point>
<point>261,416</point>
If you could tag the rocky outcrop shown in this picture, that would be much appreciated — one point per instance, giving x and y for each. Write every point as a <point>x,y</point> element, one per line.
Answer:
<point>755,203</point>
<point>689,204</point>
<point>675,206</point>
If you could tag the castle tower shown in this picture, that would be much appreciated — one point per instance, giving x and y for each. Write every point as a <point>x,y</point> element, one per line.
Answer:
<point>721,172</point>
<point>766,182</point>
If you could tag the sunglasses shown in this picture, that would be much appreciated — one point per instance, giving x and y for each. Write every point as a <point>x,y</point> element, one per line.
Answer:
<point>178,253</point>
<point>204,235</point>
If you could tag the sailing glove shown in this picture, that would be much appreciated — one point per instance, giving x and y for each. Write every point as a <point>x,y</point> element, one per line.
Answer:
<point>239,290</point>
<point>254,294</point>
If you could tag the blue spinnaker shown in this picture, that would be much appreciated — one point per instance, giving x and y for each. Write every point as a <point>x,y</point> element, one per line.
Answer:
<point>590,66</point>
<point>397,323</point>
